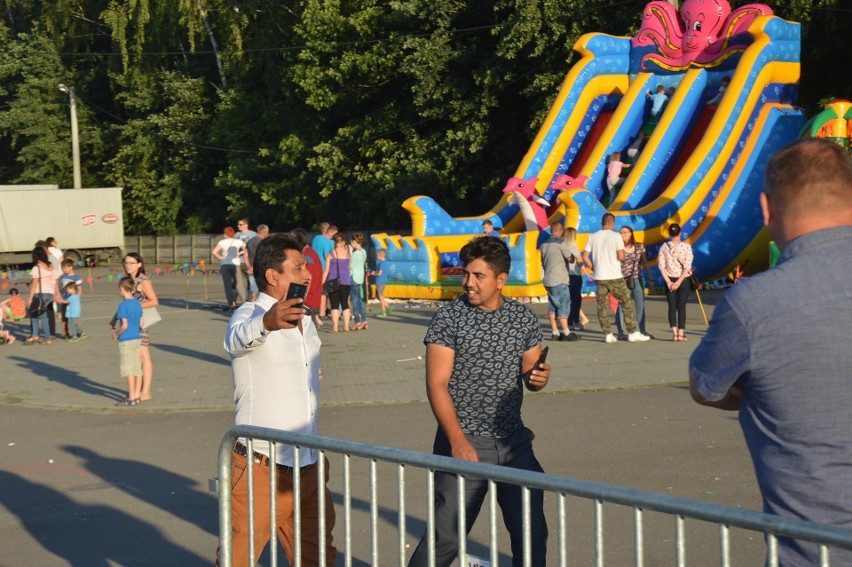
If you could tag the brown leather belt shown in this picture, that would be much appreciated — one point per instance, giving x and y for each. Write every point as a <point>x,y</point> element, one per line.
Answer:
<point>263,460</point>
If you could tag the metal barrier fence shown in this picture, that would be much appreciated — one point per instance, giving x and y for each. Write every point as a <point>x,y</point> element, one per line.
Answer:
<point>174,249</point>
<point>558,489</point>
<point>180,248</point>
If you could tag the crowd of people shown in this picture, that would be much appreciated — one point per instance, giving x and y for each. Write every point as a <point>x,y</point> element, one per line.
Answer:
<point>616,262</point>
<point>339,288</point>
<point>56,292</point>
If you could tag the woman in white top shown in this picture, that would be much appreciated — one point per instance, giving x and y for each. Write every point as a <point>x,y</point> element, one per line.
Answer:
<point>43,285</point>
<point>229,251</point>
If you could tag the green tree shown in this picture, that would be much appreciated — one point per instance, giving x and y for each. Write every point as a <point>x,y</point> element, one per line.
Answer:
<point>156,159</point>
<point>35,124</point>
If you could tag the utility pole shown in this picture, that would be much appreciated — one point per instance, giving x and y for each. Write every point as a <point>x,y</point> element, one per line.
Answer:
<point>75,137</point>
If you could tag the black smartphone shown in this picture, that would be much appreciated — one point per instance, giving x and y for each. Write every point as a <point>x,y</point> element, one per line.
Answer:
<point>298,291</point>
<point>542,358</point>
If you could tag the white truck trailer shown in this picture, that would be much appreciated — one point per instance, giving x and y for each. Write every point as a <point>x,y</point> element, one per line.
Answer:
<point>84,222</point>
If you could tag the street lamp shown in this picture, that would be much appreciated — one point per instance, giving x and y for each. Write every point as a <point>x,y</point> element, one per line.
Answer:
<point>75,138</point>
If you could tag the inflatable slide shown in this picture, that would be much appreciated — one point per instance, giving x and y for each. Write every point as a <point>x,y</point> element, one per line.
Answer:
<point>731,82</point>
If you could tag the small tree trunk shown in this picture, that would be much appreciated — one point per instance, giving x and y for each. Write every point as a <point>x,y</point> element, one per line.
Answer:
<point>215,46</point>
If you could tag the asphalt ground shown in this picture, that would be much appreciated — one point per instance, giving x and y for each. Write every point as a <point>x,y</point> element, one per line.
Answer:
<point>87,483</point>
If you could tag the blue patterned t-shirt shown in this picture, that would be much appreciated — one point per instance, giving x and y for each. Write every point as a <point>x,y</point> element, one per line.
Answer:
<point>486,385</point>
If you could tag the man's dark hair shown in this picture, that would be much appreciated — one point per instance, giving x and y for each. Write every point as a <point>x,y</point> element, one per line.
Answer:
<point>493,251</point>
<point>271,253</point>
<point>301,235</point>
<point>607,218</point>
<point>809,175</point>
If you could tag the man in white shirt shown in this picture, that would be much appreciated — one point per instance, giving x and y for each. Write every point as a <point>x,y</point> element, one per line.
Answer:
<point>604,253</point>
<point>275,358</point>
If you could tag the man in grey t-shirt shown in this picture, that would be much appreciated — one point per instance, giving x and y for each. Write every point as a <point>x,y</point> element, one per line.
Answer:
<point>777,349</point>
<point>481,351</point>
<point>555,255</point>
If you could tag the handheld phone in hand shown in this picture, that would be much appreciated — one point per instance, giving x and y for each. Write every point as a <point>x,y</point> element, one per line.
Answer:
<point>298,291</point>
<point>537,366</point>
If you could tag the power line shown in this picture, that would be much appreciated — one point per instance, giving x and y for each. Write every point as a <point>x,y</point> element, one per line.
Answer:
<point>199,146</point>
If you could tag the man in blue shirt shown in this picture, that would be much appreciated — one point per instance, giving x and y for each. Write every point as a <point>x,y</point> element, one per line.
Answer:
<point>778,348</point>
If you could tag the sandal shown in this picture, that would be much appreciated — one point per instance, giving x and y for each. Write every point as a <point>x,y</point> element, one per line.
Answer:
<point>31,340</point>
<point>126,402</point>
<point>46,342</point>
<point>682,338</point>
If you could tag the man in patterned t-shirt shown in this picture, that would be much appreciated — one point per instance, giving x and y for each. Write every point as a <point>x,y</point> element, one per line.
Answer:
<point>478,349</point>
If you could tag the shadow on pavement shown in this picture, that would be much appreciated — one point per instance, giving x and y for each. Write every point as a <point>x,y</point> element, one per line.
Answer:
<point>172,493</point>
<point>414,526</point>
<point>193,354</point>
<point>69,378</point>
<point>87,535</point>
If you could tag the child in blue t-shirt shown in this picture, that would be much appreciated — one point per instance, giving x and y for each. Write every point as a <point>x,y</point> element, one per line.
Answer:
<point>129,319</point>
<point>380,280</point>
<point>71,311</point>
<point>67,276</point>
<point>658,100</point>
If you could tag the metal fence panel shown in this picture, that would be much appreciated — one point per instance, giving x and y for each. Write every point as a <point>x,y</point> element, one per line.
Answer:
<point>629,513</point>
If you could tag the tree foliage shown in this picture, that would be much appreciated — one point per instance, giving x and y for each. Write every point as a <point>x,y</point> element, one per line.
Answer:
<point>296,112</point>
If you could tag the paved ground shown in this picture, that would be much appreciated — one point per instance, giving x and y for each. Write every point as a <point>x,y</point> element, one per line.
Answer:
<point>86,483</point>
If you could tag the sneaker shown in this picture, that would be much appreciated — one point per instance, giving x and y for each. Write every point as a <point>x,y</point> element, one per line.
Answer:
<point>81,336</point>
<point>72,339</point>
<point>610,338</point>
<point>555,336</point>
<point>637,337</point>
<point>571,337</point>
<point>622,337</point>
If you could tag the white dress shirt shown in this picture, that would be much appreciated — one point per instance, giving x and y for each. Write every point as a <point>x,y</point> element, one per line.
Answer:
<point>276,376</point>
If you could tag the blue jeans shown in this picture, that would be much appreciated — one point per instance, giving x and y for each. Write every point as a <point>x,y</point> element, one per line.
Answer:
<point>39,324</point>
<point>73,328</point>
<point>359,309</point>
<point>559,298</point>
<point>515,452</point>
<point>637,294</point>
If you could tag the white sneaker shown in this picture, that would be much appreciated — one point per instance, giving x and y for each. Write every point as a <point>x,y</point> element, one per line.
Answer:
<point>637,337</point>
<point>610,338</point>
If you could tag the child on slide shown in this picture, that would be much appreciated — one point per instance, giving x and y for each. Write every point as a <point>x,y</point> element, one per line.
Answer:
<point>613,174</point>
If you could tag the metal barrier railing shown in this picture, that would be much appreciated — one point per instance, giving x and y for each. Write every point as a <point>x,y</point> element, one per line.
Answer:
<point>725,517</point>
